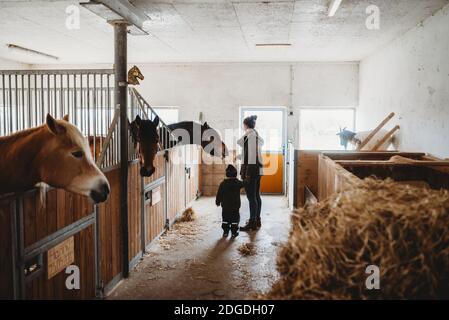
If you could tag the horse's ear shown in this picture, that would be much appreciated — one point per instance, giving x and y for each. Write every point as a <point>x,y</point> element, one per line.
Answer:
<point>156,121</point>
<point>54,126</point>
<point>138,120</point>
<point>66,118</point>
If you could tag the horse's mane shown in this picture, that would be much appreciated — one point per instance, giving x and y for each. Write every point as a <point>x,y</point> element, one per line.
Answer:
<point>18,135</point>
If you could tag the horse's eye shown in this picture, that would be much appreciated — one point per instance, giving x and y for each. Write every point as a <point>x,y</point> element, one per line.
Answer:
<point>77,154</point>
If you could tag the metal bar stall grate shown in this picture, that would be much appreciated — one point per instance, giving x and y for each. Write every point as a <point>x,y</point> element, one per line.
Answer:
<point>87,96</point>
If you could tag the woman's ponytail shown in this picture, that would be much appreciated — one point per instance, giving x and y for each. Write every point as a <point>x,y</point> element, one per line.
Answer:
<point>250,121</point>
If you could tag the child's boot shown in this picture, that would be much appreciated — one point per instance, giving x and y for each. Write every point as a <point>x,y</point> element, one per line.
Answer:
<point>235,229</point>
<point>225,226</point>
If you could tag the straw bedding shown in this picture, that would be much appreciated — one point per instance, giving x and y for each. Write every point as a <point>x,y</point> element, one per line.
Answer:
<point>187,216</point>
<point>247,249</point>
<point>402,229</point>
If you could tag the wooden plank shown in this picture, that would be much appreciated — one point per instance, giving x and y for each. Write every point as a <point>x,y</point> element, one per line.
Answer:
<point>371,163</point>
<point>385,138</point>
<point>7,213</point>
<point>375,131</point>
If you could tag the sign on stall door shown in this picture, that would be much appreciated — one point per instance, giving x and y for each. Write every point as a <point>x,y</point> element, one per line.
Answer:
<point>60,257</point>
<point>155,196</point>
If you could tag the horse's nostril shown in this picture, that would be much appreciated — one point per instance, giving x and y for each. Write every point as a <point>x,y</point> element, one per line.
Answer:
<point>144,172</point>
<point>106,189</point>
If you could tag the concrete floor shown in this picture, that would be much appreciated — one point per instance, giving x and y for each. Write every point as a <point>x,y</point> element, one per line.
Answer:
<point>193,261</point>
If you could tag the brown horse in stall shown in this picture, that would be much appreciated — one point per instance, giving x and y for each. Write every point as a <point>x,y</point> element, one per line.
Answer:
<point>55,153</point>
<point>191,132</point>
<point>145,136</point>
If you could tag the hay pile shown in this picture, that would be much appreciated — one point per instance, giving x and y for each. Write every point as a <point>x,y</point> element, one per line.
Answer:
<point>187,216</point>
<point>402,229</point>
<point>247,249</point>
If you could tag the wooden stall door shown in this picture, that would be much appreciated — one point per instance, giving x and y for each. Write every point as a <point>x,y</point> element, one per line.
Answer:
<point>273,178</point>
<point>192,171</point>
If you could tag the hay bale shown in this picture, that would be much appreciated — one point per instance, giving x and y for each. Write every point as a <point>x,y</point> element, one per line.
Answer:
<point>187,216</point>
<point>400,228</point>
<point>401,159</point>
<point>247,249</point>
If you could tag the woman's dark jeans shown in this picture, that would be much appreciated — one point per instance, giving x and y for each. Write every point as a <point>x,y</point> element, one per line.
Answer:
<point>253,195</point>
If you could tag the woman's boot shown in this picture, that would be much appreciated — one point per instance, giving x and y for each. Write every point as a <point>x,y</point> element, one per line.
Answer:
<point>258,223</point>
<point>249,226</point>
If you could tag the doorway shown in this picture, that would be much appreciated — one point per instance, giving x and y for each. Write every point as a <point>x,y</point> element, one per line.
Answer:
<point>271,126</point>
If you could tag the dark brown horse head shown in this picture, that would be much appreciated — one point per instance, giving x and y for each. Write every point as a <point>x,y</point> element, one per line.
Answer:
<point>145,134</point>
<point>212,143</point>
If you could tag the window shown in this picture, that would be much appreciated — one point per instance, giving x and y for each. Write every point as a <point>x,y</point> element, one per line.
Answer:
<point>168,114</point>
<point>269,125</point>
<point>319,127</point>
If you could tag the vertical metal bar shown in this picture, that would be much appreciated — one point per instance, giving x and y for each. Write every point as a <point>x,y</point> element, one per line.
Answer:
<point>42,99</point>
<point>22,88</point>
<point>68,97</point>
<point>35,100</point>
<point>49,96</point>
<point>88,106</point>
<point>4,104</point>
<point>121,94</point>
<point>81,104</point>
<point>10,104</point>
<point>95,116</point>
<point>29,101</point>
<point>61,95</point>
<point>75,111</point>
<point>16,95</point>
<point>55,97</point>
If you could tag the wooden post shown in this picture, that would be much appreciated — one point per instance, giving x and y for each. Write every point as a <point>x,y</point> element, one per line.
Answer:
<point>375,131</point>
<point>385,138</point>
<point>121,96</point>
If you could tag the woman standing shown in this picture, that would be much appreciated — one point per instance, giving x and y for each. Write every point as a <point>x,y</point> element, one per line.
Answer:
<point>251,171</point>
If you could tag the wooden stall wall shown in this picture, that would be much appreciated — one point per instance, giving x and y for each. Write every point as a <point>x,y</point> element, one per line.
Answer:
<point>7,246</point>
<point>31,226</point>
<point>332,178</point>
<point>55,288</point>
<point>175,179</point>
<point>306,174</point>
<point>192,171</point>
<point>134,210</point>
<point>154,213</point>
<point>307,170</point>
<point>213,171</point>
<point>109,234</point>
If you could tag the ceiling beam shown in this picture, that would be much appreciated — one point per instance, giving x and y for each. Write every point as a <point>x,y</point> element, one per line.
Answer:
<point>333,7</point>
<point>119,10</point>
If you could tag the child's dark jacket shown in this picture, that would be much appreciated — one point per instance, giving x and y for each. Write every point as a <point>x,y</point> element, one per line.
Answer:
<point>228,195</point>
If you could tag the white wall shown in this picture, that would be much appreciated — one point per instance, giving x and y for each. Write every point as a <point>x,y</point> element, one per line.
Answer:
<point>218,90</point>
<point>12,65</point>
<point>411,78</point>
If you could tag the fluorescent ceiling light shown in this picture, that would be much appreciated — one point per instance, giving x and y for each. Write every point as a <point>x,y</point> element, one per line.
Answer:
<point>31,51</point>
<point>335,4</point>
<point>273,44</point>
<point>119,10</point>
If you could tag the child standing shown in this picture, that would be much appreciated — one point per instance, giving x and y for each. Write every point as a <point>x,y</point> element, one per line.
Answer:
<point>228,196</point>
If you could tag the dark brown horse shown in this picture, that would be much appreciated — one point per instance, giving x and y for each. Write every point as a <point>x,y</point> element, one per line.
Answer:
<point>145,136</point>
<point>191,132</point>
<point>55,153</point>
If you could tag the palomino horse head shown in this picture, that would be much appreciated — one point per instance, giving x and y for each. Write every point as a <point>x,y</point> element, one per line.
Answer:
<point>66,162</point>
<point>145,133</point>
<point>134,75</point>
<point>211,141</point>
